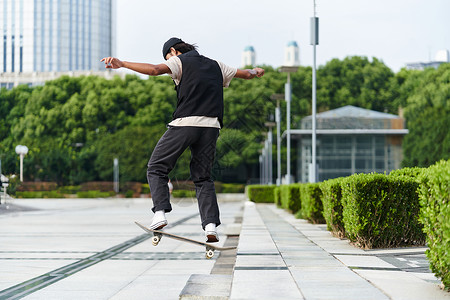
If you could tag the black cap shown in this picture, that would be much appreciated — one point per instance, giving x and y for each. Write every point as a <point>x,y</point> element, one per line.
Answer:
<point>169,44</point>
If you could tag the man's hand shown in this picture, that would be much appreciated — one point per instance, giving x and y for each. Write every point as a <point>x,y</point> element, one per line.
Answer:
<point>112,62</point>
<point>249,74</point>
<point>259,72</point>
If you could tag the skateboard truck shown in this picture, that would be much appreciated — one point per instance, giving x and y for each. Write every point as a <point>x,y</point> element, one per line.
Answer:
<point>156,238</point>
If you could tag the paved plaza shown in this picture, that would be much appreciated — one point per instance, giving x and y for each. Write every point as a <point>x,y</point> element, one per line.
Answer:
<point>91,249</point>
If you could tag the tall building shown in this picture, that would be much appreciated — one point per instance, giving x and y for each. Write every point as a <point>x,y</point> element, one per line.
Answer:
<point>248,56</point>
<point>291,54</point>
<point>55,35</point>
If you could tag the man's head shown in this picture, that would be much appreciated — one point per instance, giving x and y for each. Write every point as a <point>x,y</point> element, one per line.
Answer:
<point>175,46</point>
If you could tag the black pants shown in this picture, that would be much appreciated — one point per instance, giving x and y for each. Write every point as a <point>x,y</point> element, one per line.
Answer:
<point>202,143</point>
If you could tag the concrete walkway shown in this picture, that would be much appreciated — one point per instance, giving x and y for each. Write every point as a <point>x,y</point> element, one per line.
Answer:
<point>91,249</point>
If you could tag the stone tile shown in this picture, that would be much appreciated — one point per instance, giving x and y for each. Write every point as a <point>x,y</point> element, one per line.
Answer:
<point>272,284</point>
<point>403,285</point>
<point>259,261</point>
<point>363,261</point>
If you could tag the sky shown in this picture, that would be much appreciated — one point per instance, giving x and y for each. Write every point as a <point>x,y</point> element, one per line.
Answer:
<point>394,31</point>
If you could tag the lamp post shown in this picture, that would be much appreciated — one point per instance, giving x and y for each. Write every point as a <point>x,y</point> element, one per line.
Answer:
<point>287,94</point>
<point>314,42</point>
<point>278,97</point>
<point>22,151</point>
<point>269,152</point>
<point>116,175</point>
<point>261,169</point>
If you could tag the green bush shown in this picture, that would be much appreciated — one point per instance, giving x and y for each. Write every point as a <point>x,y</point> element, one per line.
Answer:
<point>290,197</point>
<point>183,194</point>
<point>381,210</point>
<point>409,172</point>
<point>145,188</point>
<point>311,203</point>
<point>14,183</point>
<point>94,194</point>
<point>434,195</point>
<point>277,195</point>
<point>260,193</point>
<point>69,189</point>
<point>332,206</point>
<point>233,188</point>
<point>41,194</point>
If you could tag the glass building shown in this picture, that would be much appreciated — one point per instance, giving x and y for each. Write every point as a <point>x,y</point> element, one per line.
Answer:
<point>350,140</point>
<point>55,35</point>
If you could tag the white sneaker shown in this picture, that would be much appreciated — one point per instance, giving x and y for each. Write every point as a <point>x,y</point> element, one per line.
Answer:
<point>159,220</point>
<point>211,233</point>
<point>211,236</point>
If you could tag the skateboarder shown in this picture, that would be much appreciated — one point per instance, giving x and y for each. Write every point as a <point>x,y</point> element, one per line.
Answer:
<point>197,119</point>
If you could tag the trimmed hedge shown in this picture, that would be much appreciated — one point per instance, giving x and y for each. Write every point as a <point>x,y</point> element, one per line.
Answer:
<point>332,206</point>
<point>434,195</point>
<point>381,211</point>
<point>232,188</point>
<point>260,193</point>
<point>311,203</point>
<point>183,194</point>
<point>94,194</point>
<point>290,197</point>
<point>409,172</point>
<point>277,195</point>
<point>41,194</point>
<point>69,189</point>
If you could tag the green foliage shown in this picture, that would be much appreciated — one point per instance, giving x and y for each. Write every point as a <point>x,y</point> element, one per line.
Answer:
<point>427,108</point>
<point>434,194</point>
<point>354,81</point>
<point>409,172</point>
<point>290,197</point>
<point>70,189</point>
<point>145,188</point>
<point>41,194</point>
<point>132,146</point>
<point>94,194</point>
<point>332,206</point>
<point>183,194</point>
<point>381,211</point>
<point>311,203</point>
<point>277,195</point>
<point>232,188</point>
<point>260,193</point>
<point>14,182</point>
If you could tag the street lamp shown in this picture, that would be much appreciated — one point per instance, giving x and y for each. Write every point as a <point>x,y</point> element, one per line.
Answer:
<point>314,42</point>
<point>278,97</point>
<point>116,175</point>
<point>269,152</point>
<point>22,151</point>
<point>287,94</point>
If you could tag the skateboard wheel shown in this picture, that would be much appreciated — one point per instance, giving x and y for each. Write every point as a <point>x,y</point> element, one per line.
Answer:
<point>209,254</point>
<point>155,240</point>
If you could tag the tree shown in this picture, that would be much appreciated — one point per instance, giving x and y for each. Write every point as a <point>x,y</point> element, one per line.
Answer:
<point>132,146</point>
<point>427,113</point>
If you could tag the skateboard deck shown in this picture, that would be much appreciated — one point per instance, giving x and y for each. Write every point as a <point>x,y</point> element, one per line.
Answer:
<point>157,235</point>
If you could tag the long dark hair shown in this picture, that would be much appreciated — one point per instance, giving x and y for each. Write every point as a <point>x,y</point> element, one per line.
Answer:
<point>185,47</point>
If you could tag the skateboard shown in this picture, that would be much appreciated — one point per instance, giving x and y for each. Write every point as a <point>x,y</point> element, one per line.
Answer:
<point>158,234</point>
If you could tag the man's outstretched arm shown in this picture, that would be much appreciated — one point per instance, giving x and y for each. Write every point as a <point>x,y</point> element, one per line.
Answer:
<point>249,73</point>
<point>143,68</point>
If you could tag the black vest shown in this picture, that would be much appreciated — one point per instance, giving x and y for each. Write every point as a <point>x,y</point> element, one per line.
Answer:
<point>200,91</point>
